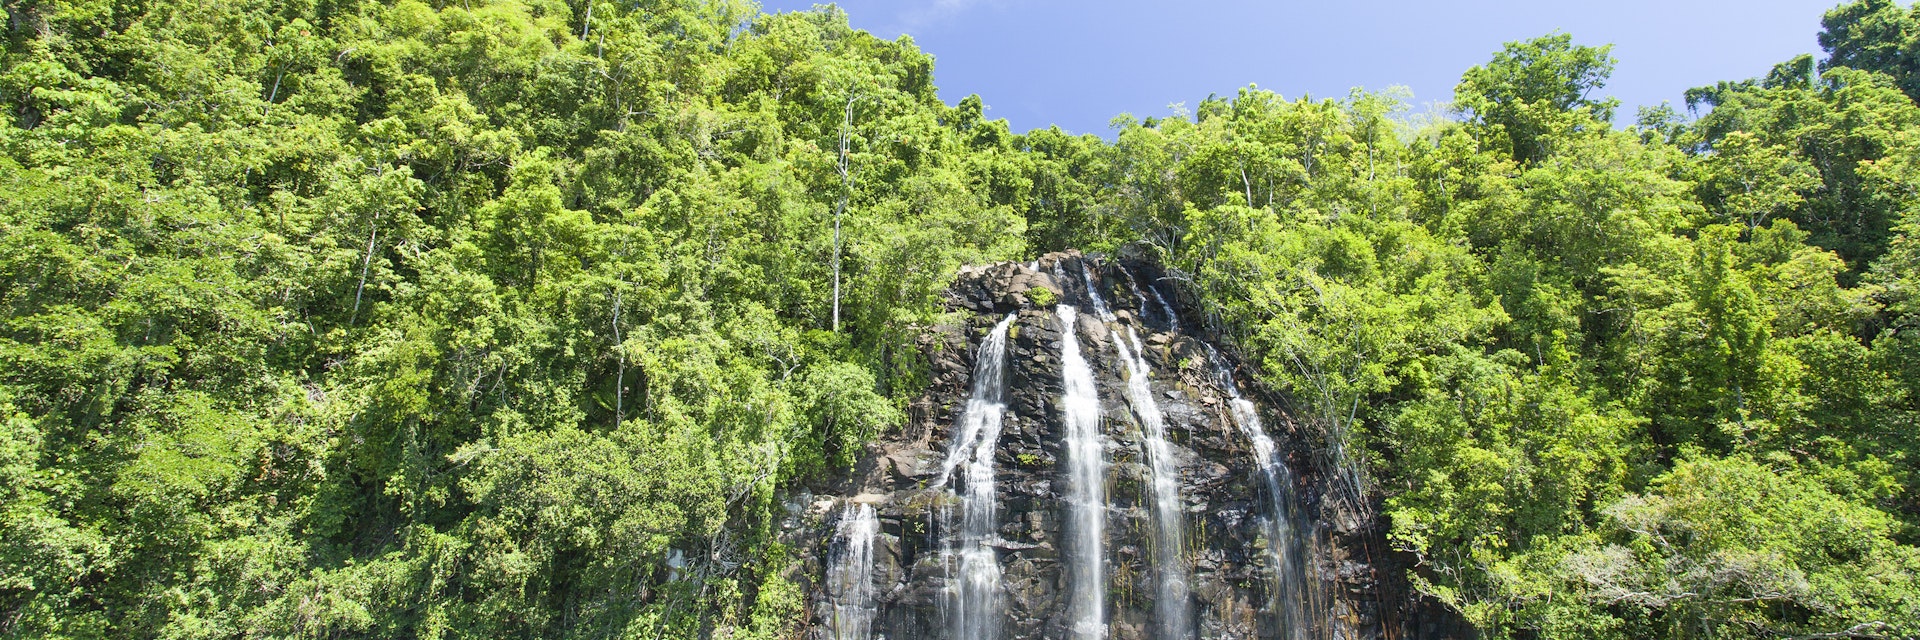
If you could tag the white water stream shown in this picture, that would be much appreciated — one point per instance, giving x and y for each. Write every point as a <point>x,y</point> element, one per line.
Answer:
<point>1172,606</point>
<point>974,591</point>
<point>850,573</point>
<point>1086,485</point>
<point>1284,548</point>
<point>975,606</point>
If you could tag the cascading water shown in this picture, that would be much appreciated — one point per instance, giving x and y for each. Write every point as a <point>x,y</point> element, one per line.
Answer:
<point>1086,485</point>
<point>974,603</point>
<point>1172,606</point>
<point>850,573</point>
<point>1175,612</point>
<point>1284,534</point>
<point>1139,295</point>
<point>1173,319</point>
<point>1026,523</point>
<point>1093,292</point>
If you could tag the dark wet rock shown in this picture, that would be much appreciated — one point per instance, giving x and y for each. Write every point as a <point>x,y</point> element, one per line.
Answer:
<point>1356,583</point>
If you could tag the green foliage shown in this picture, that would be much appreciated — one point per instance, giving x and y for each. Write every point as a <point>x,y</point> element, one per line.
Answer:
<point>1042,296</point>
<point>1574,366</point>
<point>1874,35</point>
<point>1535,93</point>
<point>1828,155</point>
<point>492,319</point>
<point>514,317</point>
<point>1730,548</point>
<point>1501,467</point>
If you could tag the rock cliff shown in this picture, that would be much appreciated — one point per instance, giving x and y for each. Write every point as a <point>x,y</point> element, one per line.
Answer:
<point>1345,584</point>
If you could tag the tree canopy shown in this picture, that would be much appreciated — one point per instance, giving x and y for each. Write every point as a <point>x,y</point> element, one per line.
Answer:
<point>516,318</point>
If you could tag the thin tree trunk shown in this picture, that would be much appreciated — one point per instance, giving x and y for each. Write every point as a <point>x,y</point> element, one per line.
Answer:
<point>275,93</point>
<point>841,206</point>
<point>620,379</point>
<point>365,264</point>
<point>1248,184</point>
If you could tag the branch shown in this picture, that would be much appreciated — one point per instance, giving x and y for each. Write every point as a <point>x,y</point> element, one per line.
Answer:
<point>1856,631</point>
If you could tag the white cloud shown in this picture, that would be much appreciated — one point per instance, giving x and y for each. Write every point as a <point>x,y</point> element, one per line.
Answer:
<point>919,15</point>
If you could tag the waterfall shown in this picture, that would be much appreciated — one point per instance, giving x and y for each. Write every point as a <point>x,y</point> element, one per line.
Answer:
<point>1139,297</point>
<point>1086,483</point>
<point>1086,534</point>
<point>974,603</point>
<point>1170,583</point>
<point>1171,603</point>
<point>1285,539</point>
<point>850,573</point>
<point>1140,293</point>
<point>1093,293</point>
<point>1173,319</point>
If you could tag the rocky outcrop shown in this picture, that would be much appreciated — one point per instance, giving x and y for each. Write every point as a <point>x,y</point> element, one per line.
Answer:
<point>1351,583</point>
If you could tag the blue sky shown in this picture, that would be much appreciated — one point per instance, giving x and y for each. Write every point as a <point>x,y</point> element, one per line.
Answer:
<point>1078,63</point>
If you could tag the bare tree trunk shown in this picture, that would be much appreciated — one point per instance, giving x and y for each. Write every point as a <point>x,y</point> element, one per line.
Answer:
<point>620,379</point>
<point>1248,183</point>
<point>846,190</point>
<point>365,264</point>
<point>275,93</point>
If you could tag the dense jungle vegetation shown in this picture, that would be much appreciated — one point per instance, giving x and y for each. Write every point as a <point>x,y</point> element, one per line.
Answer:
<point>512,318</point>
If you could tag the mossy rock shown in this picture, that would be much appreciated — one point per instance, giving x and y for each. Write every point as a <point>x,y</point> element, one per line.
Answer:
<point>1042,296</point>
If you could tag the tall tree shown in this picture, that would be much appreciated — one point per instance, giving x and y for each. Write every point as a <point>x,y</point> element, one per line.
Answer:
<point>1536,92</point>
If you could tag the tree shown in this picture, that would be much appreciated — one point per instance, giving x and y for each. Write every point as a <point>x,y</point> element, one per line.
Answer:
<point>1874,35</point>
<point>1535,92</point>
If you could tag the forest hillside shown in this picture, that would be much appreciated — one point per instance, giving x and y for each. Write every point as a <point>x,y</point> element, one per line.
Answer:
<point>518,318</point>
